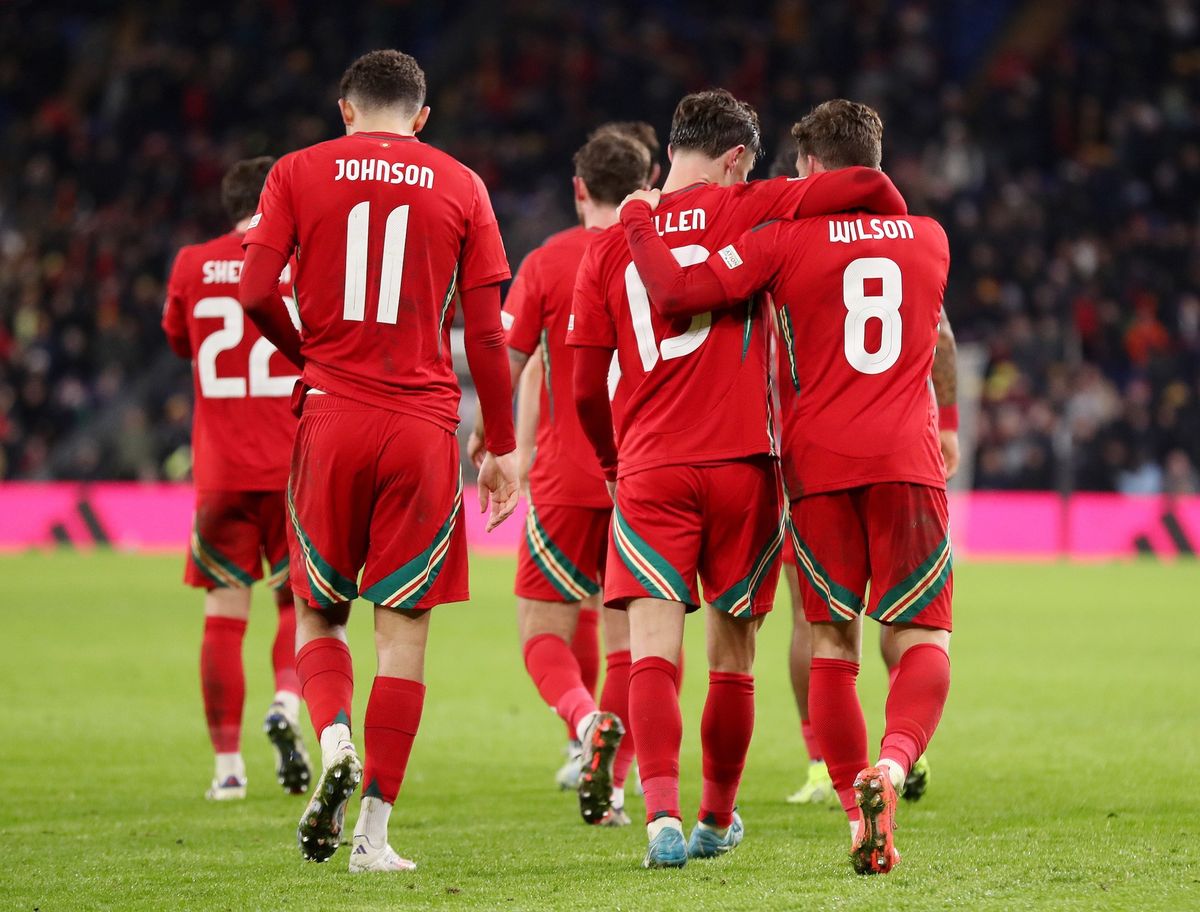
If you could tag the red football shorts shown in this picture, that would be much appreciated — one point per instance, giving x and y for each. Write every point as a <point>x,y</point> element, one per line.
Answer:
<point>561,557</point>
<point>722,521</point>
<point>232,534</point>
<point>376,491</point>
<point>894,535</point>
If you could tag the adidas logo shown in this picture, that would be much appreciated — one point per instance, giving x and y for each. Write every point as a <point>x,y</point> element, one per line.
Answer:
<point>360,850</point>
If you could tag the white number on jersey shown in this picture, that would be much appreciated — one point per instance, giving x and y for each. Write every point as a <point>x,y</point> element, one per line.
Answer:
<point>395,234</point>
<point>261,382</point>
<point>643,329</point>
<point>861,307</point>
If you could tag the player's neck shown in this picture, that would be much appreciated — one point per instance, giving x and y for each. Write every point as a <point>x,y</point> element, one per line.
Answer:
<point>688,169</point>
<point>244,225</point>
<point>597,218</point>
<point>383,124</point>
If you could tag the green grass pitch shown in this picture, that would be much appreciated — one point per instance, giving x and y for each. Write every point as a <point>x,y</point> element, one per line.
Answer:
<point>1065,774</point>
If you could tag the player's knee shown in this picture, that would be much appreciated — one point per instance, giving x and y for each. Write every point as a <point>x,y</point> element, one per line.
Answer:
<point>228,602</point>
<point>836,640</point>
<point>905,636</point>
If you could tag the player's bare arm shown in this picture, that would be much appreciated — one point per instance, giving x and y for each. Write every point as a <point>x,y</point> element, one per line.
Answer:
<point>259,294</point>
<point>945,390</point>
<point>529,395</point>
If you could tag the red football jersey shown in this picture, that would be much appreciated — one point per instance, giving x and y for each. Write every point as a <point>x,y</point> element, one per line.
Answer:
<point>242,425</point>
<point>694,389</point>
<point>385,228</point>
<point>565,471</point>
<point>860,299</point>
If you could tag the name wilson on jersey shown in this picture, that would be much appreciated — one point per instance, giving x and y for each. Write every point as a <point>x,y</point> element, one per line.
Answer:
<point>378,169</point>
<point>846,231</point>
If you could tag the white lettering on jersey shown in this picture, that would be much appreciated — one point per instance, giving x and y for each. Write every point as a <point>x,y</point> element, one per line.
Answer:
<point>377,169</point>
<point>687,220</point>
<point>730,256</point>
<point>846,231</point>
<point>222,272</point>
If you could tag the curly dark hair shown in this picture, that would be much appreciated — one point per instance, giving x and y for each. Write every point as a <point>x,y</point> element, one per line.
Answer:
<point>612,165</point>
<point>242,185</point>
<point>713,122</point>
<point>841,134</point>
<point>385,79</point>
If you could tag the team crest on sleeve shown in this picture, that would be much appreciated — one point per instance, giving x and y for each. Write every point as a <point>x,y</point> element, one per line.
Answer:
<point>730,256</point>
<point>254,221</point>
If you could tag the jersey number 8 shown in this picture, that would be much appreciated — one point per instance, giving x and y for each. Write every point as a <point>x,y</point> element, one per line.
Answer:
<point>862,307</point>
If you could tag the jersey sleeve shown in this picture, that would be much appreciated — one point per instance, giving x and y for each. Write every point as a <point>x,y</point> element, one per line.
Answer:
<point>844,190</point>
<point>732,274</point>
<point>483,260</point>
<point>591,324</point>
<point>174,318</point>
<point>274,223</point>
<point>524,308</point>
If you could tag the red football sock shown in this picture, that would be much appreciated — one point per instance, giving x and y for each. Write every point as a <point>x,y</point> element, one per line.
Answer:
<point>679,673</point>
<point>585,646</point>
<point>223,681</point>
<point>555,673</point>
<point>892,672</point>
<point>283,650</point>
<point>725,731</point>
<point>326,680</point>
<point>656,724</point>
<point>837,718</point>
<point>393,717</point>
<point>615,699</point>
<point>915,702</point>
<point>810,741</point>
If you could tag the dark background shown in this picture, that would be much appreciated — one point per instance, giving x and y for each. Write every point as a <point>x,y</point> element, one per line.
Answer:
<point>1058,143</point>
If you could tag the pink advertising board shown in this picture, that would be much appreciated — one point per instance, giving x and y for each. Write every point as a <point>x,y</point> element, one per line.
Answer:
<point>984,525</point>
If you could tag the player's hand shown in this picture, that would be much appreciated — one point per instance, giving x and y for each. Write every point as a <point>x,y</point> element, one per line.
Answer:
<point>498,487</point>
<point>475,450</point>
<point>949,452</point>
<point>612,490</point>
<point>650,197</point>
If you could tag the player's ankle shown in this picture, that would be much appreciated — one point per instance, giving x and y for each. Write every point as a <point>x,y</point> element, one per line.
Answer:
<point>658,824</point>
<point>373,816</point>
<point>895,770</point>
<point>582,725</point>
<point>333,737</point>
<point>289,703</point>
<point>230,765</point>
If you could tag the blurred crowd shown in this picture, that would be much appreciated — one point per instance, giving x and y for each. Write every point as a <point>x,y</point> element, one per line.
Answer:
<point>1061,153</point>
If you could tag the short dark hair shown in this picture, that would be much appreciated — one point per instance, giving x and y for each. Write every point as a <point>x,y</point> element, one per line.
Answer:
<point>713,122</point>
<point>635,129</point>
<point>385,79</point>
<point>841,134</point>
<point>242,185</point>
<point>612,165</point>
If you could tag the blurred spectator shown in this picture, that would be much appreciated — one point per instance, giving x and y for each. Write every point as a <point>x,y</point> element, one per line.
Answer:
<point>1069,184</point>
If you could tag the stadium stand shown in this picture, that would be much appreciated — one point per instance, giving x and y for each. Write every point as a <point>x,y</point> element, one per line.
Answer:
<point>1066,170</point>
